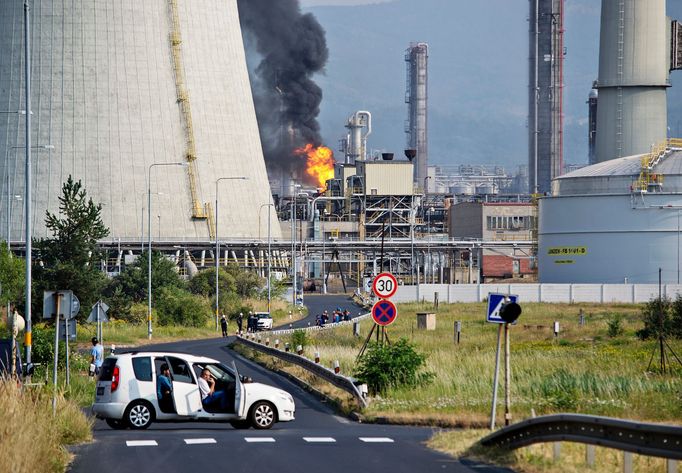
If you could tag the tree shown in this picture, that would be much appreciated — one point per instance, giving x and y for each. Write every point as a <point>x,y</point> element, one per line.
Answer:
<point>132,282</point>
<point>11,277</point>
<point>657,318</point>
<point>176,306</point>
<point>70,258</point>
<point>203,283</point>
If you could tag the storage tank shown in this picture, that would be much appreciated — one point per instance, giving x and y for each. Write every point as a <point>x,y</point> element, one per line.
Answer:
<point>119,86</point>
<point>487,188</point>
<point>462,188</point>
<point>598,226</point>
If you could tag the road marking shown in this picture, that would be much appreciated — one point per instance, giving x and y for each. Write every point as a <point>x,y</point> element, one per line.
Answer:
<point>259,439</point>
<point>199,441</point>
<point>376,439</point>
<point>141,443</point>
<point>319,439</point>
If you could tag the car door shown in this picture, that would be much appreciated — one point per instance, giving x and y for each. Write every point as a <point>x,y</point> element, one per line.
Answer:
<point>186,395</point>
<point>239,393</point>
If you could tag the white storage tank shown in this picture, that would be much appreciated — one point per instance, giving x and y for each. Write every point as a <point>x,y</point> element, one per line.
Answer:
<point>487,188</point>
<point>598,226</point>
<point>462,188</point>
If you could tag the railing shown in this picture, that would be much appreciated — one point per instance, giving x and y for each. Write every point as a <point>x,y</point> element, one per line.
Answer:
<point>342,382</point>
<point>655,440</point>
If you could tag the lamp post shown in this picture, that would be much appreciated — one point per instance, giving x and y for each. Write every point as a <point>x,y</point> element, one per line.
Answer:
<point>149,241</point>
<point>217,243</point>
<point>269,206</point>
<point>293,243</point>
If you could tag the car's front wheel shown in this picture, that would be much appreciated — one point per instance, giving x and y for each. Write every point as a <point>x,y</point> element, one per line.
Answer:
<point>117,424</point>
<point>139,415</point>
<point>262,415</point>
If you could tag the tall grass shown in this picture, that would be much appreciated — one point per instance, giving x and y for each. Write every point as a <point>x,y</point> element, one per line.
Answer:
<point>33,440</point>
<point>582,370</point>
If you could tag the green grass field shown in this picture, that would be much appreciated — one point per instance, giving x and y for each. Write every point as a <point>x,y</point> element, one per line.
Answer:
<point>582,370</point>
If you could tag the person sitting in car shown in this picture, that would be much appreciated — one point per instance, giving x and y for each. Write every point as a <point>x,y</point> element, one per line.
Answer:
<point>164,389</point>
<point>209,396</point>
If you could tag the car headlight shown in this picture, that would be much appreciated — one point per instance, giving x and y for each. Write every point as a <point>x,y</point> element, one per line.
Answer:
<point>286,396</point>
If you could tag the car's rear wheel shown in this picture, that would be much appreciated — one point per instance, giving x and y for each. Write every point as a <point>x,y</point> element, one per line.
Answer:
<point>139,415</point>
<point>117,424</point>
<point>262,415</point>
<point>240,424</point>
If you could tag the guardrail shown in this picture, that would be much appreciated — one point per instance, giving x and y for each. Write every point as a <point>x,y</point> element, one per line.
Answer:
<point>654,440</point>
<point>342,382</point>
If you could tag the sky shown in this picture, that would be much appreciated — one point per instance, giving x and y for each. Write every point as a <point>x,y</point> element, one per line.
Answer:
<point>316,3</point>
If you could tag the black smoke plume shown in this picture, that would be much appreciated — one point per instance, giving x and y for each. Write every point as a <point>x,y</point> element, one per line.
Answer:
<point>290,47</point>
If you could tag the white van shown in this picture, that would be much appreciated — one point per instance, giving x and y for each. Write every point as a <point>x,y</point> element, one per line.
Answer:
<point>126,393</point>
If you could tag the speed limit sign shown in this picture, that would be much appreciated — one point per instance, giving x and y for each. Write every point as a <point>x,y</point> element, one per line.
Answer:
<point>385,285</point>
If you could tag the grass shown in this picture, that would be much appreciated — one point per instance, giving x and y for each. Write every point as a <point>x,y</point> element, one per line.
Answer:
<point>582,370</point>
<point>33,439</point>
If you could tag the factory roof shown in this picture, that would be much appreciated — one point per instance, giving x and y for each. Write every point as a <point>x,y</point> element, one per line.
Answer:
<point>616,176</point>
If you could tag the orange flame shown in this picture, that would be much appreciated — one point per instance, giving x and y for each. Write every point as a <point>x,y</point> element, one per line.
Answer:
<point>320,163</point>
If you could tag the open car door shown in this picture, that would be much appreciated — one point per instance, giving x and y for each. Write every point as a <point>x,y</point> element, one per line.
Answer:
<point>186,396</point>
<point>239,394</point>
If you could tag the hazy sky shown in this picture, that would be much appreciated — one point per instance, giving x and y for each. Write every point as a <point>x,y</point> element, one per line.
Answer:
<point>313,3</point>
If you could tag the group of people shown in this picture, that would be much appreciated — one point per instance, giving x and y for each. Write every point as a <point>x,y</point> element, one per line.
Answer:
<point>251,323</point>
<point>338,315</point>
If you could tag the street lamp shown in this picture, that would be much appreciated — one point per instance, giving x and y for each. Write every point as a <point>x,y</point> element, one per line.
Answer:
<point>149,240</point>
<point>217,243</point>
<point>293,243</point>
<point>269,206</point>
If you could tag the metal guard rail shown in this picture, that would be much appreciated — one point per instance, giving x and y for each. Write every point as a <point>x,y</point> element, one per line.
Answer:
<point>645,439</point>
<point>286,331</point>
<point>342,382</point>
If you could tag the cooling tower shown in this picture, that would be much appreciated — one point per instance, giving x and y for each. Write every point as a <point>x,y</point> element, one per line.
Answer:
<point>118,86</point>
<point>633,76</point>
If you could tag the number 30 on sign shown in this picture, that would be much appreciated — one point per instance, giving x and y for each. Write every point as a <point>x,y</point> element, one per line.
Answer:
<point>385,285</point>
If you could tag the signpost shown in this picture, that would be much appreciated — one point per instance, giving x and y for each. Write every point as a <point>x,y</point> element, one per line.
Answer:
<point>385,285</point>
<point>503,309</point>
<point>98,314</point>
<point>384,312</point>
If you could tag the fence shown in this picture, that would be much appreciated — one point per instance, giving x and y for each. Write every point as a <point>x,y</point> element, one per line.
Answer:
<point>535,292</point>
<point>656,440</point>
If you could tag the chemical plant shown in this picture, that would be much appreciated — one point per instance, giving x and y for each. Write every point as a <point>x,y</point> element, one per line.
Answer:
<point>162,112</point>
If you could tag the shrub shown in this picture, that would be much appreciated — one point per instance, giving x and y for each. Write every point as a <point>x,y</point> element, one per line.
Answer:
<point>386,366</point>
<point>178,307</point>
<point>615,326</point>
<point>299,337</point>
<point>657,318</point>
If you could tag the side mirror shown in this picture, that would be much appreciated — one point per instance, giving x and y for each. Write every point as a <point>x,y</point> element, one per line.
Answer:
<point>510,311</point>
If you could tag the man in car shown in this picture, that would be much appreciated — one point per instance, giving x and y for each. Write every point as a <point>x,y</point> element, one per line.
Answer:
<point>209,396</point>
<point>164,389</point>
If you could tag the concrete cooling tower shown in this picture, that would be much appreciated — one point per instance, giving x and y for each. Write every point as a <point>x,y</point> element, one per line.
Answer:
<point>118,86</point>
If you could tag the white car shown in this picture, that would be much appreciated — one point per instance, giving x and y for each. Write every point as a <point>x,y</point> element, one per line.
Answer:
<point>126,393</point>
<point>263,321</point>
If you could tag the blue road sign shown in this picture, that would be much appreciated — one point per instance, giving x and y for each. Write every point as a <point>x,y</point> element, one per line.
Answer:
<point>495,302</point>
<point>384,312</point>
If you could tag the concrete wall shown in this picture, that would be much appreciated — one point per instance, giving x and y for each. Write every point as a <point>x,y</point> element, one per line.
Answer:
<point>552,293</point>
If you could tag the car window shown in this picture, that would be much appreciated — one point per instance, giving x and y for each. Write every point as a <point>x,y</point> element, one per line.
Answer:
<point>219,373</point>
<point>180,370</point>
<point>107,371</point>
<point>142,366</point>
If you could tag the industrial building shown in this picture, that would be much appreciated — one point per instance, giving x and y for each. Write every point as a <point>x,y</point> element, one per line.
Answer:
<point>495,221</point>
<point>121,93</point>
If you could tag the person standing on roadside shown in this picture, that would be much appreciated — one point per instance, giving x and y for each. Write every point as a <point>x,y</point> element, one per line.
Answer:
<point>96,356</point>
<point>240,320</point>
<point>223,325</point>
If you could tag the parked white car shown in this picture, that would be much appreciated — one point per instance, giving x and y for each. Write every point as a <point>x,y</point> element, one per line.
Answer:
<point>126,394</point>
<point>264,321</point>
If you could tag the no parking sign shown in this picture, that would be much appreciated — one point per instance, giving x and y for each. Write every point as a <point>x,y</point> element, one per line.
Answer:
<point>384,312</point>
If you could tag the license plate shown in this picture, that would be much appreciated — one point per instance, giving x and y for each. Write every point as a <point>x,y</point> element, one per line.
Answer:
<point>100,391</point>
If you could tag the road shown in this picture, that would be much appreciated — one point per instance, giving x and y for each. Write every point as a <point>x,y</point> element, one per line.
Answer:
<point>318,440</point>
<point>317,303</point>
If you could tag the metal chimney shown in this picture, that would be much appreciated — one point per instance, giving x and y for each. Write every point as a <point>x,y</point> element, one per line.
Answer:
<point>416,97</point>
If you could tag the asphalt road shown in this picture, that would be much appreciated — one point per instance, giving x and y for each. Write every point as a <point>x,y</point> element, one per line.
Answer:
<point>317,441</point>
<point>317,303</point>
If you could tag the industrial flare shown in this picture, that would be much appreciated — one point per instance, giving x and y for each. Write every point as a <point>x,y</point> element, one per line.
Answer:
<point>319,163</point>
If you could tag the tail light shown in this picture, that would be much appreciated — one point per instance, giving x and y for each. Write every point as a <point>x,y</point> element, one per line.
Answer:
<point>115,379</point>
